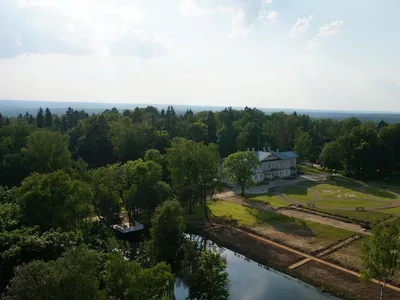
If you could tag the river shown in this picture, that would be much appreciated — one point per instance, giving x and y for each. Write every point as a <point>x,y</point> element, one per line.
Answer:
<point>252,281</point>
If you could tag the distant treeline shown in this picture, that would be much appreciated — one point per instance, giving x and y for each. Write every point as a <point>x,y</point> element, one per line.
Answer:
<point>364,149</point>
<point>12,108</point>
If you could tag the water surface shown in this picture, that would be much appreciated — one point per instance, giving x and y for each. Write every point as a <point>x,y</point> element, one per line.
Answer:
<point>250,280</point>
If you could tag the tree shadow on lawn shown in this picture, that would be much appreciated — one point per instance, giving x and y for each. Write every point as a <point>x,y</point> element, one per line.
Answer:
<point>379,192</point>
<point>282,223</point>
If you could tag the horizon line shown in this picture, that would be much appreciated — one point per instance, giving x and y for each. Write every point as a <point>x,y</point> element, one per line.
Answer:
<point>316,110</point>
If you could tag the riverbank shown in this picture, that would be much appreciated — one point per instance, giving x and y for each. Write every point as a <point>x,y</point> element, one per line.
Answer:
<point>321,276</point>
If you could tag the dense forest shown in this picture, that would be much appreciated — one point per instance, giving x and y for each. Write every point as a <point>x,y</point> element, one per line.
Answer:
<point>65,178</point>
<point>363,149</point>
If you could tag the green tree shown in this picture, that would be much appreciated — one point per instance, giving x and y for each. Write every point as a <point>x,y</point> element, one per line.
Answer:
<point>239,168</point>
<point>194,170</point>
<point>156,156</point>
<point>128,280</point>
<point>94,144</point>
<point>303,143</point>
<point>40,118</point>
<point>332,156</point>
<point>144,175</point>
<point>107,200</point>
<point>73,276</point>
<point>198,132</point>
<point>389,135</point>
<point>48,119</point>
<point>209,279</point>
<point>167,233</point>
<point>48,151</point>
<point>381,254</point>
<point>211,127</point>
<point>54,200</point>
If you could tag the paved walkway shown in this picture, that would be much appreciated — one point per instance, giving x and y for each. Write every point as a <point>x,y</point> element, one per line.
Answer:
<point>311,257</point>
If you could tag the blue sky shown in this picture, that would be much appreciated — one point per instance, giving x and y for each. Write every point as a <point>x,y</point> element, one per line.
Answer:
<point>319,54</point>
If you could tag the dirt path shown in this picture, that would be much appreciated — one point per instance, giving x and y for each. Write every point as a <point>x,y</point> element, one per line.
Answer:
<point>339,245</point>
<point>312,258</point>
<point>323,220</point>
<point>331,249</point>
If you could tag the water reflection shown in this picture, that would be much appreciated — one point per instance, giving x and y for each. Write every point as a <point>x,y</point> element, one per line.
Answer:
<point>250,280</point>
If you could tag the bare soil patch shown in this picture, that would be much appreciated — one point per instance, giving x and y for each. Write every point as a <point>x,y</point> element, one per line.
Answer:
<point>263,253</point>
<point>306,243</point>
<point>350,257</point>
<point>338,282</point>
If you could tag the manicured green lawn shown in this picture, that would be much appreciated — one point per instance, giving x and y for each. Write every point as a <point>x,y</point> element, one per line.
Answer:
<point>330,191</point>
<point>298,192</point>
<point>269,199</point>
<point>367,216</point>
<point>244,216</point>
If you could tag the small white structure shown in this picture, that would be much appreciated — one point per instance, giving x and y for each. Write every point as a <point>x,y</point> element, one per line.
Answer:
<point>124,228</point>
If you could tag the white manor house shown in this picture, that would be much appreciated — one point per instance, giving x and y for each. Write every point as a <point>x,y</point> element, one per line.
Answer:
<point>274,165</point>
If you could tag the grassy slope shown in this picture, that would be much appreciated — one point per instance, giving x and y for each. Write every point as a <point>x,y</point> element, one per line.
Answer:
<point>395,210</point>
<point>368,216</point>
<point>239,215</point>
<point>269,199</point>
<point>298,192</point>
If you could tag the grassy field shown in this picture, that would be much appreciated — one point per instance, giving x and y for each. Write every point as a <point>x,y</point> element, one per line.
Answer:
<point>298,192</point>
<point>269,199</point>
<point>238,215</point>
<point>395,210</point>
<point>367,216</point>
<point>348,203</point>
<point>328,191</point>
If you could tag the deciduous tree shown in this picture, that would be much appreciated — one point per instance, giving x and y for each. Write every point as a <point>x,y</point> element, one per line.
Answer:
<point>48,151</point>
<point>303,145</point>
<point>209,279</point>
<point>54,200</point>
<point>381,254</point>
<point>239,168</point>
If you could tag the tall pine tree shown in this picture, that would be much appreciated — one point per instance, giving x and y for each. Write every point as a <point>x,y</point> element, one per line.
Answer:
<point>48,118</point>
<point>212,128</point>
<point>40,118</point>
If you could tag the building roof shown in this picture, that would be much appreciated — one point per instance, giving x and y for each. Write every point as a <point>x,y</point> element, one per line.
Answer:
<point>262,155</point>
<point>286,154</point>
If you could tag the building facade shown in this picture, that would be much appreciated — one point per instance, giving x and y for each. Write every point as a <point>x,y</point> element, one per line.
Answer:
<point>275,165</point>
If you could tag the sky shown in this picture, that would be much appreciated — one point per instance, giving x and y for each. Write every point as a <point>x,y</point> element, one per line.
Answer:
<point>309,54</point>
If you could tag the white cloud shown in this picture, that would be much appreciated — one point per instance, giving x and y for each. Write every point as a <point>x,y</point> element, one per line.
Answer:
<point>192,9</point>
<point>267,1</point>
<point>103,26</point>
<point>238,23</point>
<point>268,16</point>
<point>301,26</point>
<point>140,44</point>
<point>329,29</point>
<point>41,30</point>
